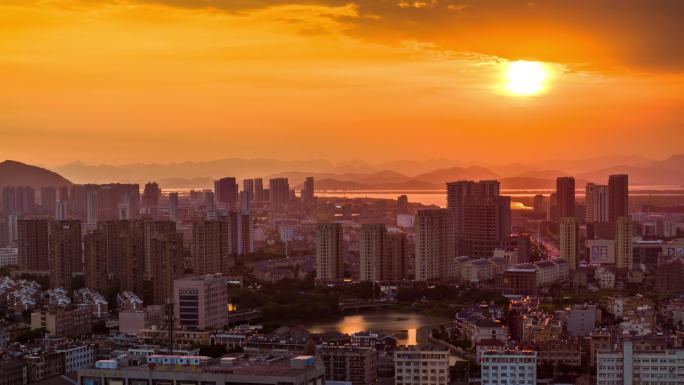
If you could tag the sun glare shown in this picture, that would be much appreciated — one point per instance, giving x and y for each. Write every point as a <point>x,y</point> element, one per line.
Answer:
<point>526,77</point>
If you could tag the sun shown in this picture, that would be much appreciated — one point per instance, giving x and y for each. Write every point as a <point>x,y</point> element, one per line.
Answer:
<point>526,77</point>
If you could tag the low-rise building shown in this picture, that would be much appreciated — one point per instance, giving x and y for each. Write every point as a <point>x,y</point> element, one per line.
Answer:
<point>44,364</point>
<point>354,364</point>
<point>169,370</point>
<point>421,365</point>
<point>378,341</point>
<point>477,270</point>
<point>475,326</point>
<point>604,276</point>
<point>502,367</point>
<point>9,257</point>
<point>77,357</point>
<point>582,320</point>
<point>63,322</point>
<point>519,280</point>
<point>13,372</point>
<point>201,302</point>
<point>568,352</point>
<point>133,321</point>
<point>628,365</point>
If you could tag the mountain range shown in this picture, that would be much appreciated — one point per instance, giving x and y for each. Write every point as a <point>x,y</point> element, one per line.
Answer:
<point>355,174</point>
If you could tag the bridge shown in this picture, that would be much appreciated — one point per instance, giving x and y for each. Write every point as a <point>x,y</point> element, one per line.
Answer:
<point>246,315</point>
<point>357,306</point>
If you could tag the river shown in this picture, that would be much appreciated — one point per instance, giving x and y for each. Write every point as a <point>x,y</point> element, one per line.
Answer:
<point>409,328</point>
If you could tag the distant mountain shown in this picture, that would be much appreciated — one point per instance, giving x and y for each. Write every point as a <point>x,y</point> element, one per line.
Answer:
<point>333,184</point>
<point>359,174</point>
<point>511,169</point>
<point>543,174</point>
<point>442,176</point>
<point>81,172</point>
<point>527,183</point>
<point>352,166</point>
<point>13,173</point>
<point>186,183</point>
<point>604,161</point>
<point>652,175</point>
<point>675,162</point>
<point>416,167</point>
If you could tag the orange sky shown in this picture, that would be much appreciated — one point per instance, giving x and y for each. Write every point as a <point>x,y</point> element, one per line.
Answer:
<point>121,81</point>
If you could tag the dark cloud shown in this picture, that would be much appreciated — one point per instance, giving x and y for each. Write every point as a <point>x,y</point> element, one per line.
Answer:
<point>599,34</point>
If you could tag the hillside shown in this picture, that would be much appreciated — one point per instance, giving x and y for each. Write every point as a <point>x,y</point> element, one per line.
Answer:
<point>13,173</point>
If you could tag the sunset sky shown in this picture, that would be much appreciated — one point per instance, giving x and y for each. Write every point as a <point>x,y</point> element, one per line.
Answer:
<point>123,81</point>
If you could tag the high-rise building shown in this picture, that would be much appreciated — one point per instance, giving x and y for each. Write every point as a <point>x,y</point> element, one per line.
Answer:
<point>4,235</point>
<point>482,217</point>
<point>329,259</point>
<point>279,191</point>
<point>539,204</point>
<point>151,198</point>
<point>61,210</point>
<point>124,208</point>
<point>65,252</point>
<point>259,193</point>
<point>245,234</point>
<point>624,252</point>
<point>106,201</point>
<point>618,186</point>
<point>91,208</point>
<point>64,194</point>
<point>33,244</point>
<point>565,196</point>
<point>569,241</point>
<point>20,199</point>
<point>382,253</point>
<point>210,251</point>
<point>13,227</point>
<point>201,301</point>
<point>597,203</point>
<point>167,257</point>
<point>226,192</point>
<point>48,198</point>
<point>434,243</point>
<point>395,259</point>
<point>246,198</point>
<point>402,204</point>
<point>487,224</point>
<point>173,206</point>
<point>308,191</point>
<point>124,251</point>
<point>209,201</point>
<point>371,251</point>
<point>248,185</point>
<point>95,256</point>
<point>152,229</point>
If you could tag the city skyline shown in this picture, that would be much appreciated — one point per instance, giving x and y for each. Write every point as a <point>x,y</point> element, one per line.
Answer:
<point>162,81</point>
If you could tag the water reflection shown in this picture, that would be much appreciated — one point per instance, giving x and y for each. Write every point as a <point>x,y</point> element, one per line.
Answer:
<point>409,328</point>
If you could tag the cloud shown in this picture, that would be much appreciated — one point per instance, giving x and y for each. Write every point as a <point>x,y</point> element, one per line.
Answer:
<point>601,35</point>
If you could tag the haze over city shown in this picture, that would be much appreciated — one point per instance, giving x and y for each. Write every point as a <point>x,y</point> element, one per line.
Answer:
<point>341,192</point>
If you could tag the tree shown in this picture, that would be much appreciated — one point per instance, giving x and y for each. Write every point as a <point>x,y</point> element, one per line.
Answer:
<point>214,351</point>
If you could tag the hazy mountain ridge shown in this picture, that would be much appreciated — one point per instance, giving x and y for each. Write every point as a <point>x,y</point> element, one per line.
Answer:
<point>13,173</point>
<point>362,175</point>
